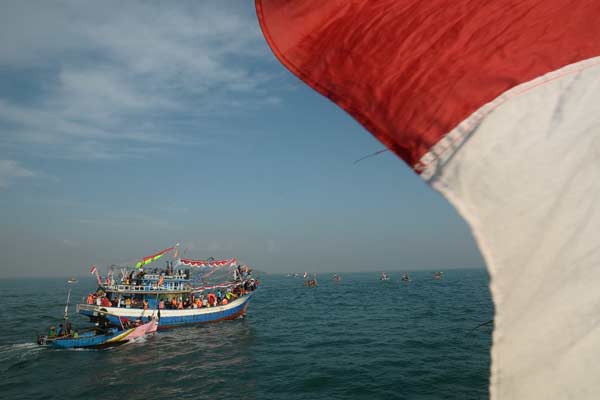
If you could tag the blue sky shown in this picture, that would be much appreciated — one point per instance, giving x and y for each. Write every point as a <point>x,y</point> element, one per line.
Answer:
<point>127,127</point>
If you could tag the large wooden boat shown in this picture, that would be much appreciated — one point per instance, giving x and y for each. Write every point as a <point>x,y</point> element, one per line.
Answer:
<point>172,294</point>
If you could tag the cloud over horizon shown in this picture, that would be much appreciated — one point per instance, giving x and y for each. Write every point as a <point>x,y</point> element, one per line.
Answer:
<point>9,170</point>
<point>115,80</point>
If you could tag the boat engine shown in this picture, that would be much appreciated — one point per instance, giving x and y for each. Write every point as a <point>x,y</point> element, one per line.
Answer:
<point>42,340</point>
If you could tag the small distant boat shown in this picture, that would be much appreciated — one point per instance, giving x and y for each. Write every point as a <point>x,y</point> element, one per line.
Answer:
<point>405,278</point>
<point>384,277</point>
<point>72,280</point>
<point>311,282</point>
<point>437,275</point>
<point>337,278</point>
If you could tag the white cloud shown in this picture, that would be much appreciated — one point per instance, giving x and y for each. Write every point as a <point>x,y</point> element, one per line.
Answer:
<point>70,243</point>
<point>110,72</point>
<point>9,170</point>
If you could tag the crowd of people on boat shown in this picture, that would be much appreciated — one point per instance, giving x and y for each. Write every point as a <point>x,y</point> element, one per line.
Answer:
<point>137,278</point>
<point>223,295</point>
<point>217,298</point>
<point>242,273</point>
<point>63,330</point>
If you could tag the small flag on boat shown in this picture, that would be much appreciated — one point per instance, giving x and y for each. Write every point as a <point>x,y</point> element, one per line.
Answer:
<point>154,257</point>
<point>93,270</point>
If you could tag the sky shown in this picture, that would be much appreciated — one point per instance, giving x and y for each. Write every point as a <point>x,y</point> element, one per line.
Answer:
<point>126,127</point>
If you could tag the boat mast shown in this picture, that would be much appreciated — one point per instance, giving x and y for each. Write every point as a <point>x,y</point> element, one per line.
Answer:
<point>67,305</point>
<point>66,316</point>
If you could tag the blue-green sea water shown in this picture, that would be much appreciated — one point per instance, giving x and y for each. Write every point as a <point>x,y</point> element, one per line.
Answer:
<point>355,339</point>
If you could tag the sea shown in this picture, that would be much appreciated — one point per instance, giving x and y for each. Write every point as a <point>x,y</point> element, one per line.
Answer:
<point>360,338</point>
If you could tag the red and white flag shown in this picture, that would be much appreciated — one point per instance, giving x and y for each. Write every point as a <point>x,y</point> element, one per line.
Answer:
<point>495,104</point>
<point>93,270</point>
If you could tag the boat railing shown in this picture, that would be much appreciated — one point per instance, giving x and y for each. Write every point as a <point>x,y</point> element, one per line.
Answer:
<point>145,288</point>
<point>156,277</point>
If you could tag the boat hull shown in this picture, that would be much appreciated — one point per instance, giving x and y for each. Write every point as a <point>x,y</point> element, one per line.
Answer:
<point>91,341</point>
<point>144,330</point>
<point>170,318</point>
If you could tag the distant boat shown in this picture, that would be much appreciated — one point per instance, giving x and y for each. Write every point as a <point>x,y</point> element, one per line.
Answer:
<point>384,277</point>
<point>337,278</point>
<point>310,282</point>
<point>438,275</point>
<point>405,278</point>
<point>72,280</point>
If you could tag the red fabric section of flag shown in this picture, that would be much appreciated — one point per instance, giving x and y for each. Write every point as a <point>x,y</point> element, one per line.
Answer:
<point>411,70</point>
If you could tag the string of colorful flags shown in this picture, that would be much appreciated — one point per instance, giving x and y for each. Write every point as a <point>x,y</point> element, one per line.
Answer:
<point>208,263</point>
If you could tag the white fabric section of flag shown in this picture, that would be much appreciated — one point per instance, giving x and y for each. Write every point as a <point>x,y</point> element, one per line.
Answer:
<point>527,180</point>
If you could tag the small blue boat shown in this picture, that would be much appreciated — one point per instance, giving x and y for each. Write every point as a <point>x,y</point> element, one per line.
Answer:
<point>93,339</point>
<point>99,336</point>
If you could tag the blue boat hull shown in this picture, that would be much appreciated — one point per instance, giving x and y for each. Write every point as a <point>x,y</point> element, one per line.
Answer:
<point>114,338</point>
<point>171,318</point>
